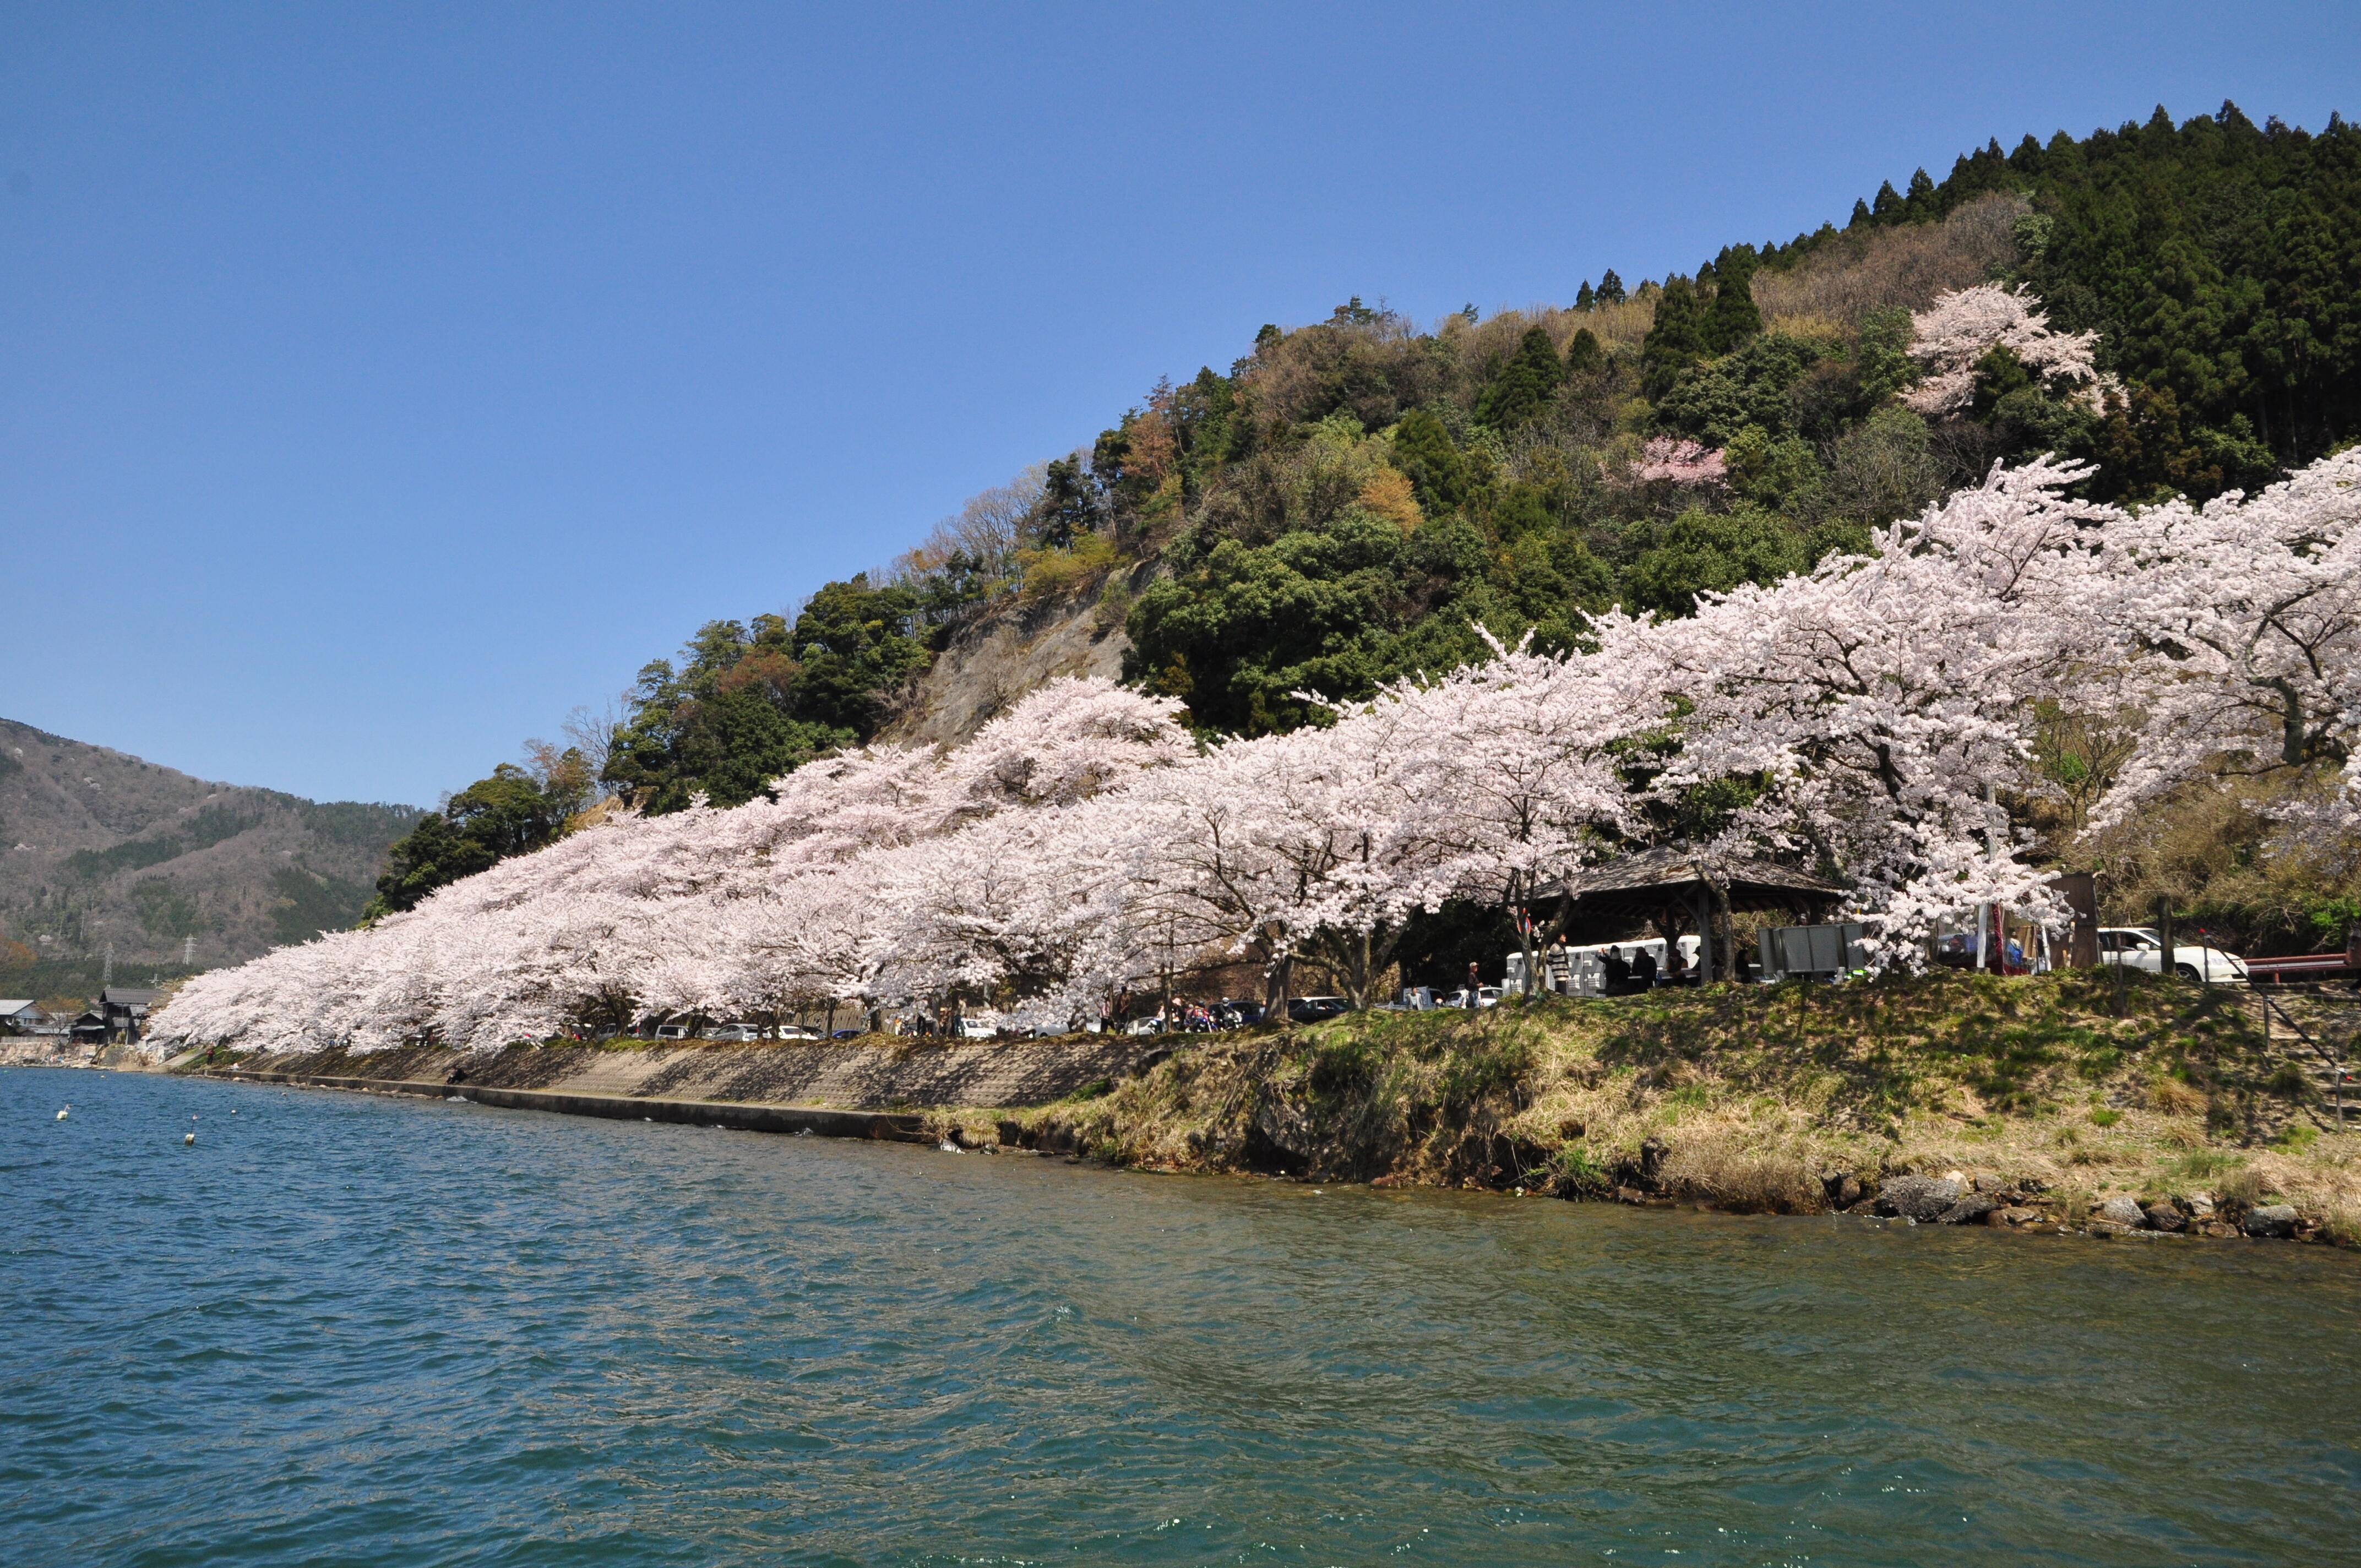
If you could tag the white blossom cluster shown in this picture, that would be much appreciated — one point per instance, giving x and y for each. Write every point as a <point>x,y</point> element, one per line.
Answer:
<point>1959,329</point>
<point>1878,711</point>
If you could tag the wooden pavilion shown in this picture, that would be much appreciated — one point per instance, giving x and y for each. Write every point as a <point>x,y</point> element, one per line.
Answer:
<point>1672,883</point>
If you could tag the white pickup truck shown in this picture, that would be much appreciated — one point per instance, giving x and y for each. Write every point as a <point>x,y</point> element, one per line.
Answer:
<point>2139,946</point>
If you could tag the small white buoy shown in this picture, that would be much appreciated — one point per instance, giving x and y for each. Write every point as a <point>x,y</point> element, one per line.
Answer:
<point>188,1137</point>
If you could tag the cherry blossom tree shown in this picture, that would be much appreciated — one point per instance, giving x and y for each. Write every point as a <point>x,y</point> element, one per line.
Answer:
<point>1680,462</point>
<point>1959,329</point>
<point>2248,614</point>
<point>1884,702</point>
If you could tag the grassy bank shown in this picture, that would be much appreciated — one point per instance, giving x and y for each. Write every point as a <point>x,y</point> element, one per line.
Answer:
<point>2061,1091</point>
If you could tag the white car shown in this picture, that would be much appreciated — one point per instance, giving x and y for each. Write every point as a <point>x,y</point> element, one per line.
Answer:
<point>1485,996</point>
<point>977,1029</point>
<point>738,1032</point>
<point>2139,946</point>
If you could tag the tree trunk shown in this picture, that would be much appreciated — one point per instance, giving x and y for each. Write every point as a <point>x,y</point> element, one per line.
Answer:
<point>1275,987</point>
<point>1727,931</point>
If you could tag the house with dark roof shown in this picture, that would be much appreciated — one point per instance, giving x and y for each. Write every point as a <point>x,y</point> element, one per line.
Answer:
<point>122,1011</point>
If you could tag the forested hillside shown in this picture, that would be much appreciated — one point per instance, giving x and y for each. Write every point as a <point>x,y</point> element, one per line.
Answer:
<point>102,851</point>
<point>1352,499</point>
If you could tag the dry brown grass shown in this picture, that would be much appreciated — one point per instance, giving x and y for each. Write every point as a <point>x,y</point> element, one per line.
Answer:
<point>1904,266</point>
<point>2340,1224</point>
<point>1747,1097</point>
<point>1733,1169</point>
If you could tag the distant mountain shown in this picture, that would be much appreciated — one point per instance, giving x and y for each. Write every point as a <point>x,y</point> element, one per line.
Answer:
<point>98,848</point>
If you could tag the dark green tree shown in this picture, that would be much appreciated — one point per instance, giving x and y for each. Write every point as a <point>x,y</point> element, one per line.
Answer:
<point>749,703</point>
<point>1424,451</point>
<point>1583,354</point>
<point>1069,501</point>
<point>1732,321</point>
<point>1701,551</point>
<point>1675,339</point>
<point>1525,385</point>
<point>1610,288</point>
<point>508,813</point>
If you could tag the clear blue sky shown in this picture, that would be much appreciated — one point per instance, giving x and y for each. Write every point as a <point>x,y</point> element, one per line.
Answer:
<point>379,382</point>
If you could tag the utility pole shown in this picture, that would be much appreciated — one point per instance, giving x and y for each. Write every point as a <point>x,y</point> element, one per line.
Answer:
<point>189,951</point>
<point>106,971</point>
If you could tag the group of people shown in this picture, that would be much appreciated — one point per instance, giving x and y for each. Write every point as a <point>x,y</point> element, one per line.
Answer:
<point>1642,973</point>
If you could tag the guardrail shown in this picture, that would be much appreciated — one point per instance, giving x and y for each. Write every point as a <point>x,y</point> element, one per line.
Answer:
<point>2304,966</point>
<point>2333,1067</point>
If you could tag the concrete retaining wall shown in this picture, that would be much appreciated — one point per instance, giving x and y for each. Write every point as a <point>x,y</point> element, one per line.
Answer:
<point>860,1089</point>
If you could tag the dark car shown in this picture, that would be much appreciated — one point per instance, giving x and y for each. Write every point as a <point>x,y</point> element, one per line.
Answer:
<point>1237,1013</point>
<point>848,1034</point>
<point>1314,1009</point>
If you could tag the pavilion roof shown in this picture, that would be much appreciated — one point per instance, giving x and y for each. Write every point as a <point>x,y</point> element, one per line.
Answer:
<point>1648,880</point>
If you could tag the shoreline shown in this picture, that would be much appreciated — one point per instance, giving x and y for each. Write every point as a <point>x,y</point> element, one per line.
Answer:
<point>2061,1105</point>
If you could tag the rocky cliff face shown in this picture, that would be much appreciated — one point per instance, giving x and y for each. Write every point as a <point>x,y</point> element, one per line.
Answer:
<point>99,848</point>
<point>1000,658</point>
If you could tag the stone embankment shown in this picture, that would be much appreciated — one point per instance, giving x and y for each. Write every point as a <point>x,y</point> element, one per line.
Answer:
<point>875,1087</point>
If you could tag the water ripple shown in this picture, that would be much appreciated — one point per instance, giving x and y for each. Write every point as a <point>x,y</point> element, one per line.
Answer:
<point>346,1328</point>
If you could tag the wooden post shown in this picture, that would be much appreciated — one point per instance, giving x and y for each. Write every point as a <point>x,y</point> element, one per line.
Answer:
<point>2164,937</point>
<point>1705,935</point>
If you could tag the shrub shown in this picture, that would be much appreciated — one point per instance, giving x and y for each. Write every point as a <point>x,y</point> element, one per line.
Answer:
<point>1053,574</point>
<point>2241,1188</point>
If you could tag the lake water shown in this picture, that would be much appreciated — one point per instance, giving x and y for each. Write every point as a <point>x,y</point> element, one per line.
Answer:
<point>352,1330</point>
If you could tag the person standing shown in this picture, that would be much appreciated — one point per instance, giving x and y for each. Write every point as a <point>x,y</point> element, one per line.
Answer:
<point>1643,971</point>
<point>1472,982</point>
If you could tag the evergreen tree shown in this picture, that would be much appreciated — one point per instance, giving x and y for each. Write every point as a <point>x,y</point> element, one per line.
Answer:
<point>1582,297</point>
<point>1860,214</point>
<point>1583,354</point>
<point>1674,341</point>
<point>1525,383</point>
<point>1610,288</point>
<point>1423,450</point>
<point>1070,505</point>
<point>1888,206</point>
<point>1732,319</point>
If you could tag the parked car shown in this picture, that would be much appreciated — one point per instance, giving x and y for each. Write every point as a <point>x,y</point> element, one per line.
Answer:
<point>1313,1009</point>
<point>736,1032</point>
<point>1151,1025</point>
<point>2139,946</point>
<point>1237,1012</point>
<point>797,1032</point>
<point>1485,996</point>
<point>672,1031</point>
<point>845,1034</point>
<point>976,1029</point>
